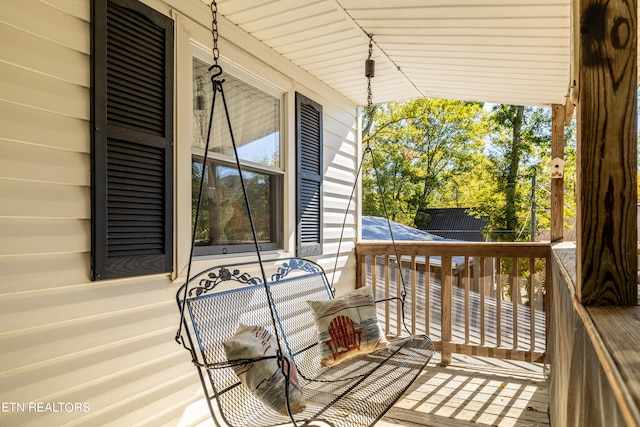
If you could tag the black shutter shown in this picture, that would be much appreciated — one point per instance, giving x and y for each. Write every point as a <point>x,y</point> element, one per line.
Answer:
<point>309,176</point>
<point>132,140</point>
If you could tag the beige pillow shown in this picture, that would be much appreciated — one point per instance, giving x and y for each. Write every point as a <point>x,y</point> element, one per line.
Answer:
<point>347,326</point>
<point>263,377</point>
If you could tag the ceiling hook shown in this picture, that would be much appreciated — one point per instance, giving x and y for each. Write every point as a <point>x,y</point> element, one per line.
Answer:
<point>217,72</point>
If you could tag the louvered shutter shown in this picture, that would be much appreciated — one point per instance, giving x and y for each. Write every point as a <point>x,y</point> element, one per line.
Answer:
<point>309,176</point>
<point>132,140</point>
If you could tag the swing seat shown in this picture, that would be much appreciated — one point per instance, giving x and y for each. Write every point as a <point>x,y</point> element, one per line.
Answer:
<point>357,391</point>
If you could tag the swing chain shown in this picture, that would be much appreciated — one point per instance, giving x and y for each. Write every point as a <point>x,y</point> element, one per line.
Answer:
<point>369,72</point>
<point>214,32</point>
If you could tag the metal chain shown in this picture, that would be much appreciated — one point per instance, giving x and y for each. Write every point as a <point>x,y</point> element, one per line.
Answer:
<point>214,31</point>
<point>369,92</point>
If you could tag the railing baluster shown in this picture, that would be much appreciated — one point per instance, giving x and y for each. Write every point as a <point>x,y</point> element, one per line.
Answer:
<point>374,276</point>
<point>515,296</point>
<point>399,281</point>
<point>361,272</point>
<point>427,294</point>
<point>387,280</point>
<point>414,295</point>
<point>483,284</point>
<point>532,305</point>
<point>445,309</point>
<point>467,303</point>
<point>498,302</point>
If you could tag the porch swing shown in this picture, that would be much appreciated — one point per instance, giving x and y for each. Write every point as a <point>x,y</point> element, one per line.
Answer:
<point>271,344</point>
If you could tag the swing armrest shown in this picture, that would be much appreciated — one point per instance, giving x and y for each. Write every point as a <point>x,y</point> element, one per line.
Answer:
<point>378,301</point>
<point>233,363</point>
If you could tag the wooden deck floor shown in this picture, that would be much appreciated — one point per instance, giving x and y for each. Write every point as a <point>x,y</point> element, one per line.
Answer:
<point>474,391</point>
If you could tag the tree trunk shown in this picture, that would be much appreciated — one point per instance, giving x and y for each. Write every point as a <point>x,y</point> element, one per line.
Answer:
<point>512,176</point>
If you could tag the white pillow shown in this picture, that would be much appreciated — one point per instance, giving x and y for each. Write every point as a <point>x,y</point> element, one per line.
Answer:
<point>347,326</point>
<point>263,377</point>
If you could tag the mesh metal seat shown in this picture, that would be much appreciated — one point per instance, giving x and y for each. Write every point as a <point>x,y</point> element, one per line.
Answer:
<point>355,392</point>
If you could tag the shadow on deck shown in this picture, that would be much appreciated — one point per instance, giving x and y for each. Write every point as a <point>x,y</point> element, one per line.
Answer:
<point>474,391</point>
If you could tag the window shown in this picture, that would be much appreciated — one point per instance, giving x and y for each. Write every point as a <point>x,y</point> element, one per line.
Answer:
<point>255,115</point>
<point>132,140</point>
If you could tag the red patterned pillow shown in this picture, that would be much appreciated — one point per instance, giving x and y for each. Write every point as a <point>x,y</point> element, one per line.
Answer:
<point>347,326</point>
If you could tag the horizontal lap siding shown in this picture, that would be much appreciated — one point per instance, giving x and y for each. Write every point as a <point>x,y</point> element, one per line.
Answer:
<point>340,162</point>
<point>63,338</point>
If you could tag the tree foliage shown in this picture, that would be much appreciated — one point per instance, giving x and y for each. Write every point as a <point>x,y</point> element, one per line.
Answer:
<point>520,137</point>
<point>431,153</point>
<point>418,149</point>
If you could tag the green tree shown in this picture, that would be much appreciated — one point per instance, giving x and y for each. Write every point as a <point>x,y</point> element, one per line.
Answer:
<point>519,149</point>
<point>419,148</point>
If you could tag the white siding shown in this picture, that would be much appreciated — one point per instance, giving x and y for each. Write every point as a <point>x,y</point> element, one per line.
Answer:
<point>110,344</point>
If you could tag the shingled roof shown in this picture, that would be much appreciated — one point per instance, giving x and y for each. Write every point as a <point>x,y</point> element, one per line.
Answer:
<point>455,223</point>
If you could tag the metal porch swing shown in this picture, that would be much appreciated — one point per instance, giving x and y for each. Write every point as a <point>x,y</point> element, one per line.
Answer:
<point>252,331</point>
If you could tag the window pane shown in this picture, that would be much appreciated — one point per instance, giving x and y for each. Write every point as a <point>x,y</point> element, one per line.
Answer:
<point>253,113</point>
<point>223,223</point>
<point>223,217</point>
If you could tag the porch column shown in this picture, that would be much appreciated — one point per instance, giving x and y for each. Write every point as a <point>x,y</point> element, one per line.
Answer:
<point>607,150</point>
<point>557,184</point>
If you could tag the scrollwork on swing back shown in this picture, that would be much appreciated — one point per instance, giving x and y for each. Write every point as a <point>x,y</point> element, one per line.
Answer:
<point>223,275</point>
<point>293,264</point>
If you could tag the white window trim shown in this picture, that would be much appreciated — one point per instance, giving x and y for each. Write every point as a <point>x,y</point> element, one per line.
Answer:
<point>277,85</point>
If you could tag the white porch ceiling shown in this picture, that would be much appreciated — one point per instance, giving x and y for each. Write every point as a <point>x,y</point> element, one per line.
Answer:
<point>501,51</point>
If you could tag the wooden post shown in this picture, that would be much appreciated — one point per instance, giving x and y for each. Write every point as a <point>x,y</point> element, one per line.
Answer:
<point>557,184</point>
<point>607,152</point>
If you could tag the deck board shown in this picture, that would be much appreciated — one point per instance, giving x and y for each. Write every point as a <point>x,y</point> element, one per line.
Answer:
<point>474,391</point>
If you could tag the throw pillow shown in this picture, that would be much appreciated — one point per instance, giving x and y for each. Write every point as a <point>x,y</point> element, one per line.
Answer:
<point>264,377</point>
<point>347,326</point>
